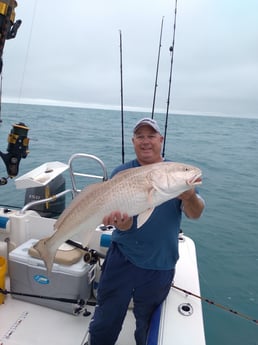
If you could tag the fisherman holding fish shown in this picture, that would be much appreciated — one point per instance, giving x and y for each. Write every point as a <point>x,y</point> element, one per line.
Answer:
<point>140,263</point>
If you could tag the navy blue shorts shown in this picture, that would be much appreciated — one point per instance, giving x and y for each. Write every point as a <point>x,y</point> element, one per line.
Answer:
<point>120,281</point>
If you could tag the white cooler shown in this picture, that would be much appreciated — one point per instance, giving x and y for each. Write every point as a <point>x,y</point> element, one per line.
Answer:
<point>28,276</point>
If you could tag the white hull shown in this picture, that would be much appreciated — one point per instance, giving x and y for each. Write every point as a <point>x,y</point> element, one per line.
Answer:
<point>182,313</point>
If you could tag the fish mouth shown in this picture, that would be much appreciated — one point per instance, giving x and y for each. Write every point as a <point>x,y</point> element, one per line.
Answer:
<point>195,180</point>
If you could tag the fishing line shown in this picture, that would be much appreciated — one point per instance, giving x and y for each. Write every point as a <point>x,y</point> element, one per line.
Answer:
<point>244,316</point>
<point>27,49</point>
<point>171,49</point>
<point>122,96</point>
<point>157,70</point>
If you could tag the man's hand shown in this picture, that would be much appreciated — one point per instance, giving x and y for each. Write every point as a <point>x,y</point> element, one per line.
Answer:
<point>192,204</point>
<point>187,195</point>
<point>120,221</point>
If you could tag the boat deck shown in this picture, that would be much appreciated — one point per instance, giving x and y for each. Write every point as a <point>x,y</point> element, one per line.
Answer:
<point>26,323</point>
<point>181,320</point>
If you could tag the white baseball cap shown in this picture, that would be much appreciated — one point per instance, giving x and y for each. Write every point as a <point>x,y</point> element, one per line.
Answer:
<point>147,122</point>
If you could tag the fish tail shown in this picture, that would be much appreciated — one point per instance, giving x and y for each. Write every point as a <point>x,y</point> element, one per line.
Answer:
<point>45,253</point>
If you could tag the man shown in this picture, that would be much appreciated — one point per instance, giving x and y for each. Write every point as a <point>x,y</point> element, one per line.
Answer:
<point>140,263</point>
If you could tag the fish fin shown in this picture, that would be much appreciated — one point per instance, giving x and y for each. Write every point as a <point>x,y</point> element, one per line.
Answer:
<point>150,196</point>
<point>45,254</point>
<point>143,217</point>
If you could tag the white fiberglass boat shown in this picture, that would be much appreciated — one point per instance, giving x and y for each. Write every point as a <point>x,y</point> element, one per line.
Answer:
<point>40,309</point>
<point>37,309</point>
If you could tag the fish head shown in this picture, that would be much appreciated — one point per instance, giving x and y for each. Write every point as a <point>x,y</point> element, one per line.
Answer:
<point>184,174</point>
<point>172,179</point>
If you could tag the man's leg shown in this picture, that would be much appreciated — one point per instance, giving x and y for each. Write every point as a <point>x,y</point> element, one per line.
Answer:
<point>113,297</point>
<point>152,289</point>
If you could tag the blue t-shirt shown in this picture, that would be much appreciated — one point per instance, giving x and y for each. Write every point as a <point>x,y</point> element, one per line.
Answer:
<point>155,244</point>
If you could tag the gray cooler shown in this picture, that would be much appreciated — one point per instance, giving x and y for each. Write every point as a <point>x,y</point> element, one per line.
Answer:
<point>28,276</point>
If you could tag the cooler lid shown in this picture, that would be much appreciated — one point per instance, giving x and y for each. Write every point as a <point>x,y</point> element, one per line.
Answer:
<point>21,255</point>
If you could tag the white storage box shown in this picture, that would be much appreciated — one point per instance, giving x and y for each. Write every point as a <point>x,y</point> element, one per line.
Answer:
<point>28,276</point>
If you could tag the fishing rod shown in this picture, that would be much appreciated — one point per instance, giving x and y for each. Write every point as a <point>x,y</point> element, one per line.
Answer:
<point>122,96</point>
<point>17,139</point>
<point>171,49</point>
<point>8,30</point>
<point>249,318</point>
<point>157,69</point>
<point>80,302</point>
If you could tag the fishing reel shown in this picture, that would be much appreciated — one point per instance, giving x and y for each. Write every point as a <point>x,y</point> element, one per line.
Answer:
<point>18,145</point>
<point>90,256</point>
<point>8,25</point>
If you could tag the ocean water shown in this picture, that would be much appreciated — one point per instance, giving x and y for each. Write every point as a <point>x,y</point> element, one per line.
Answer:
<point>226,236</point>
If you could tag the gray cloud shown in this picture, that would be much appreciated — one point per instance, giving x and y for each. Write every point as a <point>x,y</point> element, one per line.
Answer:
<point>73,54</point>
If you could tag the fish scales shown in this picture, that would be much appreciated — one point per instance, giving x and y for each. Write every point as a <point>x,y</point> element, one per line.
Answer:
<point>98,197</point>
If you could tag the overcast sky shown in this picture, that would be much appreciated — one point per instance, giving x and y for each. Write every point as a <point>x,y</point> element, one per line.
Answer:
<point>68,53</point>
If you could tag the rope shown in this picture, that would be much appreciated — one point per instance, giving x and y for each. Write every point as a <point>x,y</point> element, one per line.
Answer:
<point>244,316</point>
